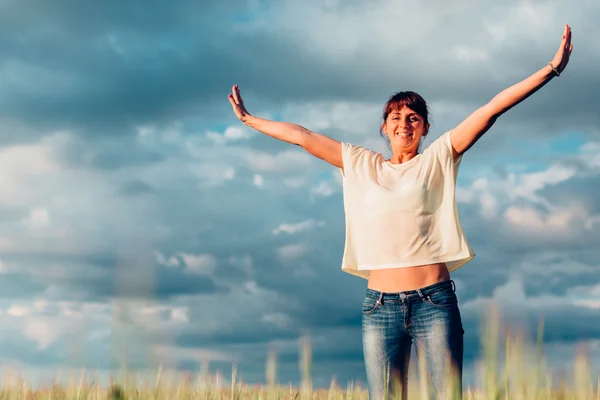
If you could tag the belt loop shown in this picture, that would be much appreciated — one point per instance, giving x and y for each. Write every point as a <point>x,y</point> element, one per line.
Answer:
<point>421,295</point>
<point>453,286</point>
<point>380,298</point>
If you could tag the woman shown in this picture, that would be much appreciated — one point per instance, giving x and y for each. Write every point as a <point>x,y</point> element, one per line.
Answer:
<point>402,229</point>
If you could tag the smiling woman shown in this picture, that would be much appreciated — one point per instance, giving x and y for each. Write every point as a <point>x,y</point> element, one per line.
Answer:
<point>403,232</point>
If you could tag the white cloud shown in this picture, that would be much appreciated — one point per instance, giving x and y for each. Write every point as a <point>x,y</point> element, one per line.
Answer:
<point>353,118</point>
<point>38,217</point>
<point>323,189</point>
<point>286,161</point>
<point>585,295</point>
<point>23,166</point>
<point>511,299</point>
<point>71,313</point>
<point>464,195</point>
<point>40,304</point>
<point>16,310</point>
<point>489,205</point>
<point>299,227</point>
<point>500,196</point>
<point>591,154</point>
<point>555,222</point>
<point>594,304</point>
<point>258,180</point>
<point>180,314</point>
<point>233,133</point>
<point>550,264</point>
<point>30,159</point>
<point>203,264</point>
<point>42,330</point>
<point>251,287</point>
<point>213,174</point>
<point>291,252</point>
<point>469,54</point>
<point>358,28</point>
<point>171,262</point>
<point>529,184</point>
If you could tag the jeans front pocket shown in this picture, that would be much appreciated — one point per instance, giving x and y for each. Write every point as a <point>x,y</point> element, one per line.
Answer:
<point>370,306</point>
<point>442,299</point>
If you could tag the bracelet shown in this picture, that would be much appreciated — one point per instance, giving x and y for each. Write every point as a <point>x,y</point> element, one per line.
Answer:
<point>554,69</point>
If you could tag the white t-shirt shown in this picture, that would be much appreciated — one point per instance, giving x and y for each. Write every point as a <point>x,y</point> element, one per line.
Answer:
<point>401,215</point>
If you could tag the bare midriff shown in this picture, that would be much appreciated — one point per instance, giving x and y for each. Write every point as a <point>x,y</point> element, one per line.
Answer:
<point>410,278</point>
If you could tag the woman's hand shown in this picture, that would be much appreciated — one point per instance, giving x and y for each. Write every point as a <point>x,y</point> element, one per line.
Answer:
<point>564,51</point>
<point>238,104</point>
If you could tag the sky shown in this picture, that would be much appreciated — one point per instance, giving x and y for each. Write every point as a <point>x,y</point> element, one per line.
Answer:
<point>142,223</point>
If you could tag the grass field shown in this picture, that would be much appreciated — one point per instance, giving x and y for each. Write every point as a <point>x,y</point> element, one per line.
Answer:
<point>511,368</point>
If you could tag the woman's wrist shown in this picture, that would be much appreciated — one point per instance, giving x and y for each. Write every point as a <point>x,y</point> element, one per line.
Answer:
<point>553,70</point>
<point>247,120</point>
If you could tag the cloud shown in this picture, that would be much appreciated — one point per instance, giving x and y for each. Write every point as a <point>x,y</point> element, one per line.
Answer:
<point>37,217</point>
<point>245,263</point>
<point>532,220</point>
<point>232,133</point>
<point>17,311</point>
<point>258,180</point>
<point>286,161</point>
<point>323,189</point>
<point>203,264</point>
<point>299,227</point>
<point>40,331</point>
<point>291,252</point>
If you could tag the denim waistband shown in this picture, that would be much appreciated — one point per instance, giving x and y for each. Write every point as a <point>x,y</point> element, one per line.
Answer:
<point>413,294</point>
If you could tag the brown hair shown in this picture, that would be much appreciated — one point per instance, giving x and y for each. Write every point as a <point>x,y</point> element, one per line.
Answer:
<point>409,99</point>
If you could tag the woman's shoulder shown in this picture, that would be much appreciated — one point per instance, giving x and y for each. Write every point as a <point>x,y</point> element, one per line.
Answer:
<point>360,157</point>
<point>440,145</point>
<point>360,150</point>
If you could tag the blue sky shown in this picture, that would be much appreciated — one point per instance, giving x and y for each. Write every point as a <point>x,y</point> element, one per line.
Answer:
<point>140,218</point>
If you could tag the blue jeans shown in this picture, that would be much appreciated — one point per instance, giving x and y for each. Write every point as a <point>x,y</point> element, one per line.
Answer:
<point>430,318</point>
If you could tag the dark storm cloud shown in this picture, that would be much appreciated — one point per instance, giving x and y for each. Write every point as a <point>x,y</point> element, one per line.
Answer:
<point>580,320</point>
<point>100,277</point>
<point>256,333</point>
<point>64,71</point>
<point>583,189</point>
<point>175,60</point>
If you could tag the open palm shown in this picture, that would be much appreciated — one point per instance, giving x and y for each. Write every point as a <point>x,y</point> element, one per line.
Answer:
<point>561,58</point>
<point>235,98</point>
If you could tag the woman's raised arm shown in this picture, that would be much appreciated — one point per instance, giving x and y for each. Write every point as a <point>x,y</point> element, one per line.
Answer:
<point>474,126</point>
<point>320,146</point>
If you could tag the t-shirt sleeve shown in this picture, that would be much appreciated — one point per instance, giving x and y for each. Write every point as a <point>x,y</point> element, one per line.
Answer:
<point>356,159</point>
<point>441,151</point>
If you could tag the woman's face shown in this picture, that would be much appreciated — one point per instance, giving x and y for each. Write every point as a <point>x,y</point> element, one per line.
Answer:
<point>405,128</point>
